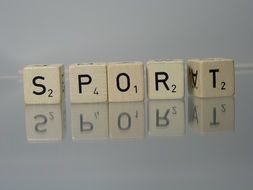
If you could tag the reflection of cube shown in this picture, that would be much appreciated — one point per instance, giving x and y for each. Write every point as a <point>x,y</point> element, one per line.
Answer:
<point>212,115</point>
<point>126,120</point>
<point>125,81</point>
<point>43,84</point>
<point>88,83</point>
<point>89,121</point>
<point>211,77</point>
<point>166,118</point>
<point>165,79</point>
<point>44,123</point>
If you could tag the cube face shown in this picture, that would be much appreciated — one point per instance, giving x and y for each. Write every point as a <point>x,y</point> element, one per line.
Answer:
<point>126,120</point>
<point>44,84</point>
<point>89,121</point>
<point>125,82</point>
<point>44,123</point>
<point>166,118</point>
<point>165,79</point>
<point>211,77</point>
<point>88,83</point>
<point>212,115</point>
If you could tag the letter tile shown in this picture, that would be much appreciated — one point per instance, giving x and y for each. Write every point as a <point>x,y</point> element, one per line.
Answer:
<point>213,77</point>
<point>125,81</point>
<point>88,83</point>
<point>165,79</point>
<point>44,84</point>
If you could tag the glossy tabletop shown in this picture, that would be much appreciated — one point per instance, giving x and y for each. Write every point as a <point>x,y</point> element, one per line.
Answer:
<point>170,144</point>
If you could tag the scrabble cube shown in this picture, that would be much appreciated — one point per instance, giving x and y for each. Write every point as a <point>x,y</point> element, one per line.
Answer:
<point>212,77</point>
<point>44,123</point>
<point>125,81</point>
<point>44,84</point>
<point>165,79</point>
<point>126,120</point>
<point>166,118</point>
<point>211,115</point>
<point>89,121</point>
<point>88,83</point>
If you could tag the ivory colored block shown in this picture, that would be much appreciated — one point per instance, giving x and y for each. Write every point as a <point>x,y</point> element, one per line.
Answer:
<point>88,83</point>
<point>213,77</point>
<point>44,123</point>
<point>126,120</point>
<point>165,79</point>
<point>212,115</point>
<point>89,121</point>
<point>166,118</point>
<point>125,81</point>
<point>44,84</point>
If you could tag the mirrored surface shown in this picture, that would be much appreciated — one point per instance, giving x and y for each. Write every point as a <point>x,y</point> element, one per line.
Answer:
<point>179,144</point>
<point>166,118</point>
<point>44,123</point>
<point>126,120</point>
<point>89,121</point>
<point>211,115</point>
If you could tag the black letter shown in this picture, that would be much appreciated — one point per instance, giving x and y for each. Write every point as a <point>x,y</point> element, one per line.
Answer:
<point>157,80</point>
<point>39,85</point>
<point>194,78</point>
<point>128,82</point>
<point>214,76</point>
<point>82,124</point>
<point>164,118</point>
<point>83,83</point>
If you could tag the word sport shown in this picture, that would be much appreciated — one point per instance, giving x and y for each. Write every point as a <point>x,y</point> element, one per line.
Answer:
<point>125,81</point>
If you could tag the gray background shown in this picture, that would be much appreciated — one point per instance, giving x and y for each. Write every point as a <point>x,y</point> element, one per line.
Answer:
<point>61,31</point>
<point>52,31</point>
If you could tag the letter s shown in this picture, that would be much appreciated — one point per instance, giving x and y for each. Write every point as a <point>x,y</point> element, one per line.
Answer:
<point>39,85</point>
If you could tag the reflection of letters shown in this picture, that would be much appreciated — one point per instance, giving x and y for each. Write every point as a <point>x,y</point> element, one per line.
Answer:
<point>85,126</point>
<point>126,120</point>
<point>128,123</point>
<point>89,121</point>
<point>164,120</point>
<point>195,114</point>
<point>38,126</point>
<point>51,115</point>
<point>223,107</point>
<point>211,115</point>
<point>44,123</point>
<point>214,123</point>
